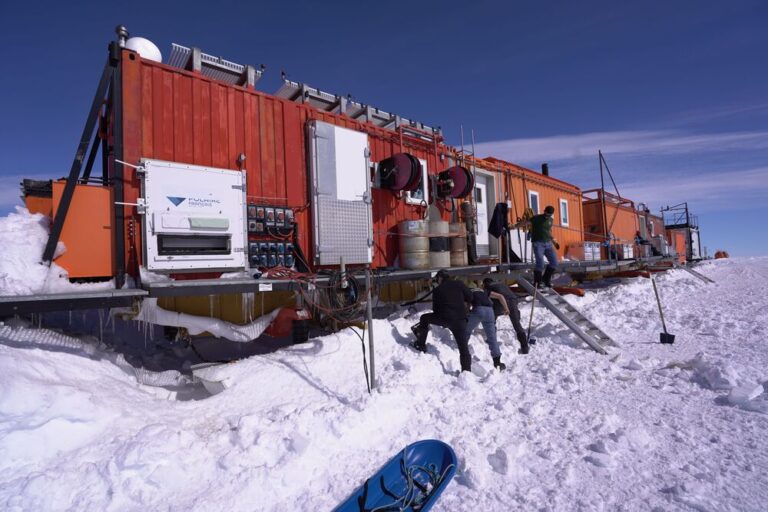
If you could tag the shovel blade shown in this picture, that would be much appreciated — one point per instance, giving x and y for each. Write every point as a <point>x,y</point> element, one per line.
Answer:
<point>665,337</point>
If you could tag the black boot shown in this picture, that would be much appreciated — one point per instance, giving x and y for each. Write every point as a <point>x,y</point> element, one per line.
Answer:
<point>421,334</point>
<point>524,347</point>
<point>536,279</point>
<point>547,279</point>
<point>498,364</point>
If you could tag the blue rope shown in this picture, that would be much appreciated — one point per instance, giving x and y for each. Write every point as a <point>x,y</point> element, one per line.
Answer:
<point>416,494</point>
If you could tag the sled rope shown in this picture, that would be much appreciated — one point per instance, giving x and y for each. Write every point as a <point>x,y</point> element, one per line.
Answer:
<point>416,493</point>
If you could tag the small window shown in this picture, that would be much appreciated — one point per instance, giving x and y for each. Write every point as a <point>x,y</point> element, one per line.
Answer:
<point>563,212</point>
<point>533,201</point>
<point>420,196</point>
<point>478,195</point>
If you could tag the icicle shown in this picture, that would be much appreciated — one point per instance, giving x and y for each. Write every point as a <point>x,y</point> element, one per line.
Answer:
<point>210,306</point>
<point>70,317</point>
<point>101,326</point>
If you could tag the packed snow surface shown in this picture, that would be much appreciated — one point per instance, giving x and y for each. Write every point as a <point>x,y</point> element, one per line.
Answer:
<point>648,427</point>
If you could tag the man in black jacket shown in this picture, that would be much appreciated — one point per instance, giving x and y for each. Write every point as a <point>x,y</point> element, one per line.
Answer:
<point>499,292</point>
<point>449,310</point>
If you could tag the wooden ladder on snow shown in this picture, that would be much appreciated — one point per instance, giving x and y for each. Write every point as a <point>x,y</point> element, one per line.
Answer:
<point>580,325</point>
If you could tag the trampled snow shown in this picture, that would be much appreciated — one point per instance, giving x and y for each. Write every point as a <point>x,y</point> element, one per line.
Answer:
<point>648,427</point>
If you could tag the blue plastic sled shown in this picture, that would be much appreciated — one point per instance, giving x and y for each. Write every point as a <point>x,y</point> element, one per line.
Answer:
<point>411,481</point>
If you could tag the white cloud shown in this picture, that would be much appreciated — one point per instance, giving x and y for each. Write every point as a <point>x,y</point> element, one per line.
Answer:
<point>707,192</point>
<point>637,142</point>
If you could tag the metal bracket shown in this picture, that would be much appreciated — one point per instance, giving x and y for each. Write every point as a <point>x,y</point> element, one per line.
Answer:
<point>140,204</point>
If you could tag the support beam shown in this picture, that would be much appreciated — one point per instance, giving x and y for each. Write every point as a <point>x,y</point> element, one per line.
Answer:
<point>77,163</point>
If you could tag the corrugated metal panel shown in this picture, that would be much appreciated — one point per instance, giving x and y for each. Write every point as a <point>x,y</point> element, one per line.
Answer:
<point>176,115</point>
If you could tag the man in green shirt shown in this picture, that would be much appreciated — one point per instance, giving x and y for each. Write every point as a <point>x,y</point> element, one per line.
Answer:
<point>543,246</point>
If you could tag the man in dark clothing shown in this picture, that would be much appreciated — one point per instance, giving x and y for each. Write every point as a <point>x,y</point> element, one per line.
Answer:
<point>543,245</point>
<point>449,310</point>
<point>505,302</point>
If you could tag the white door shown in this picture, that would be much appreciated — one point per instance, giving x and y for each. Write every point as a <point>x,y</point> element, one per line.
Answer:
<point>481,201</point>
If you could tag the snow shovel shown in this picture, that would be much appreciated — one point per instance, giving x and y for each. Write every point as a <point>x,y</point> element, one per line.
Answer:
<point>664,337</point>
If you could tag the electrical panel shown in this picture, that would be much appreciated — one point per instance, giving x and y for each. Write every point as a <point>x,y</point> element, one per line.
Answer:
<point>269,230</point>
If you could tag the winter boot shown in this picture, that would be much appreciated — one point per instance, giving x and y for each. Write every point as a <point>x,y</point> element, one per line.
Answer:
<point>524,347</point>
<point>421,334</point>
<point>547,279</point>
<point>498,364</point>
<point>536,279</point>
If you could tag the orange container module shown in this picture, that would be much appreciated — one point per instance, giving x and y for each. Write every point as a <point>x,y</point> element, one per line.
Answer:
<point>87,232</point>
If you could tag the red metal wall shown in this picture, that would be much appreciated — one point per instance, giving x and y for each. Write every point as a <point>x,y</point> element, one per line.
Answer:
<point>181,116</point>
<point>517,181</point>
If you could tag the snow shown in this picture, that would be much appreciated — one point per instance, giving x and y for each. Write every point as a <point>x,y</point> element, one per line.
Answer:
<point>648,427</point>
<point>23,237</point>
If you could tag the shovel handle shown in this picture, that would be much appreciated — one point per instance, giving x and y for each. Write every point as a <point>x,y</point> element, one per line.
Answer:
<point>533,305</point>
<point>658,301</point>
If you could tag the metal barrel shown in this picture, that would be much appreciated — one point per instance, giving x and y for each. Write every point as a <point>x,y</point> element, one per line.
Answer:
<point>439,247</point>
<point>458,244</point>
<point>413,244</point>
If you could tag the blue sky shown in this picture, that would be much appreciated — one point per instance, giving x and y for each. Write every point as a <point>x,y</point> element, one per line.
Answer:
<point>674,93</point>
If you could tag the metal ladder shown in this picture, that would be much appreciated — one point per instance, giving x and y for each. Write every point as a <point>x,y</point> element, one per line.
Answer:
<point>580,325</point>
<point>695,273</point>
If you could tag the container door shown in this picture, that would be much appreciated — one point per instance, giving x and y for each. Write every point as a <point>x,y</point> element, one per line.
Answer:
<point>341,194</point>
<point>485,201</point>
<point>695,251</point>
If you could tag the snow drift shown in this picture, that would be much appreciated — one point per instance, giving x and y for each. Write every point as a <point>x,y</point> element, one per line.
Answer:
<point>653,427</point>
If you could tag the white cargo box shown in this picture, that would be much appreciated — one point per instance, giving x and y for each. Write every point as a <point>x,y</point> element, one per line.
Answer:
<point>194,217</point>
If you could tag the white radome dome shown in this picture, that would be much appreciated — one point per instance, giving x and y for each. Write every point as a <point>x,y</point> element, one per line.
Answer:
<point>145,48</point>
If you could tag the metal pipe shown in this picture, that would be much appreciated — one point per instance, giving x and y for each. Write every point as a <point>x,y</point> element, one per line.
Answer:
<point>118,169</point>
<point>369,322</point>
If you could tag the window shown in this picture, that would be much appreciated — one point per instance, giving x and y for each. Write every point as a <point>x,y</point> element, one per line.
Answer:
<point>420,196</point>
<point>533,201</point>
<point>563,212</point>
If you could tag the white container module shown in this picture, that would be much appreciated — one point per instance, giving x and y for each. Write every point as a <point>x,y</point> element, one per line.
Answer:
<point>596,251</point>
<point>194,217</point>
<point>584,251</point>
<point>627,251</point>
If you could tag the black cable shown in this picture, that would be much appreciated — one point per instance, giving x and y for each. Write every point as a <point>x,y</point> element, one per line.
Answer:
<point>365,361</point>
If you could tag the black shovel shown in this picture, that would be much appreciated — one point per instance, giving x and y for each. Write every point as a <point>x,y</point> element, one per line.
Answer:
<point>664,337</point>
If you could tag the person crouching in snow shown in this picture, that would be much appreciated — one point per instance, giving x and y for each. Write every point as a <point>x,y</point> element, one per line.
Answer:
<point>448,305</point>
<point>544,245</point>
<point>505,303</point>
<point>482,312</point>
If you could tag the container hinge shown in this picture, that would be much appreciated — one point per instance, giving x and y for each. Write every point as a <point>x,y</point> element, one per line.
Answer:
<point>370,242</point>
<point>367,198</point>
<point>238,187</point>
